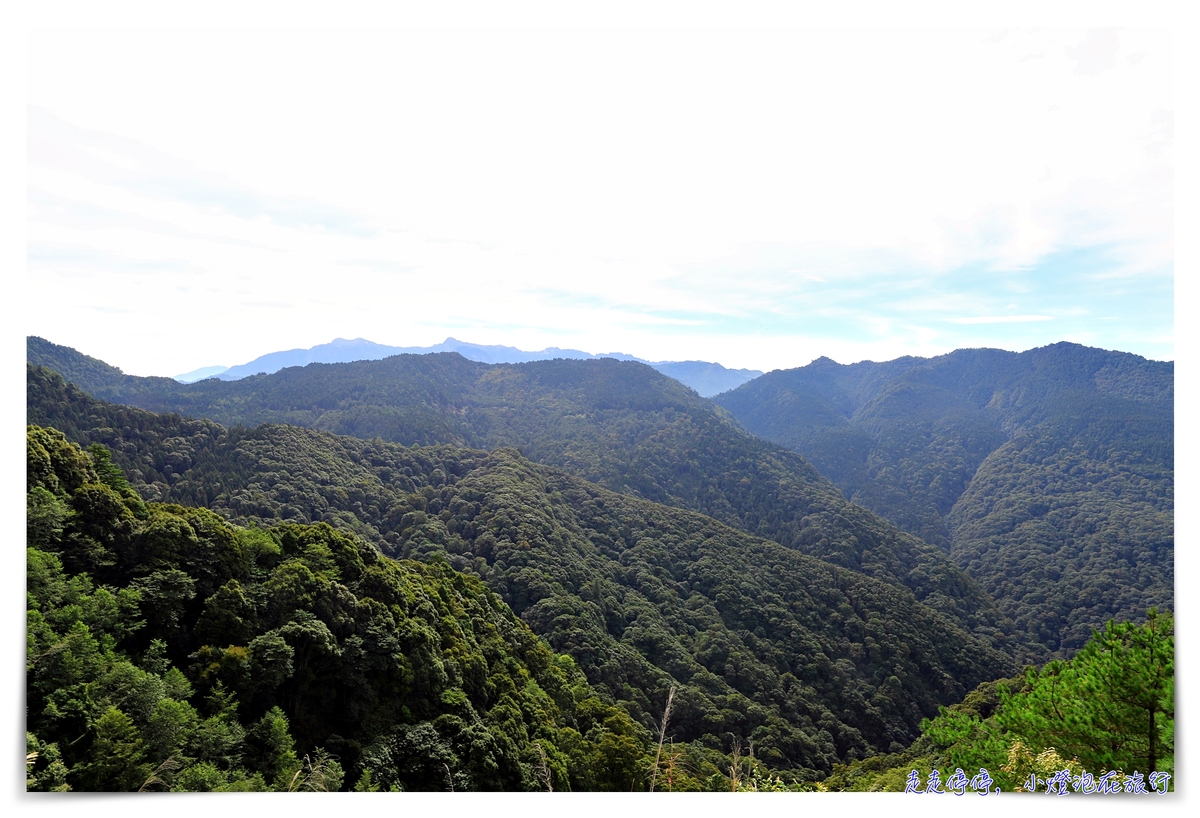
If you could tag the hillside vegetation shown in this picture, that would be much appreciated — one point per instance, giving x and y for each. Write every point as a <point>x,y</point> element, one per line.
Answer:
<point>274,606</point>
<point>168,649</point>
<point>813,663</point>
<point>618,424</point>
<point>1048,475</point>
<point>1101,722</point>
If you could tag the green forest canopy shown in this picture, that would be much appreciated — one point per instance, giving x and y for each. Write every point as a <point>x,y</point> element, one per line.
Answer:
<point>1048,475</point>
<point>642,595</point>
<point>200,463</point>
<point>618,424</point>
<point>168,649</point>
<point>1103,721</point>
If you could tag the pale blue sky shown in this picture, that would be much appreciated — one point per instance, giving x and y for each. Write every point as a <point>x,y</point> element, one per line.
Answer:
<point>755,197</point>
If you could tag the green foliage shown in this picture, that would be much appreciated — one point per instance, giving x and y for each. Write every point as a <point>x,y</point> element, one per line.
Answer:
<point>1112,706</point>
<point>643,596</point>
<point>1048,474</point>
<point>44,768</point>
<point>1065,540</point>
<point>619,424</point>
<point>284,659</point>
<point>116,758</point>
<point>45,517</point>
<point>269,748</point>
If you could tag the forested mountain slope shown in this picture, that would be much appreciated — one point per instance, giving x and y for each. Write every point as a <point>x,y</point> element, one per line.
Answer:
<point>168,649</point>
<point>816,664</point>
<point>1047,474</point>
<point>615,423</point>
<point>1101,722</point>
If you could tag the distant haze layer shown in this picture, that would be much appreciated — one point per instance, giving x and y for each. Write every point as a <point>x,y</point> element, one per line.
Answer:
<point>705,377</point>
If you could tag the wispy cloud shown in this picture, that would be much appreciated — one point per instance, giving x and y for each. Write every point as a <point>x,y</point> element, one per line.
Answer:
<point>381,264</point>
<point>750,197</point>
<point>59,257</point>
<point>129,164</point>
<point>76,214</point>
<point>1001,319</point>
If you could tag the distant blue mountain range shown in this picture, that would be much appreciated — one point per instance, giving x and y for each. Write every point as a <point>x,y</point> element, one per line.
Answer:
<point>706,378</point>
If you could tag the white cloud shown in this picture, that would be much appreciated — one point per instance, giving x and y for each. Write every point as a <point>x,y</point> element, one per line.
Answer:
<point>1001,319</point>
<point>670,193</point>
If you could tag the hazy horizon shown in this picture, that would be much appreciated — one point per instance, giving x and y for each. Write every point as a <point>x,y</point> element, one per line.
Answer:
<point>225,366</point>
<point>753,197</point>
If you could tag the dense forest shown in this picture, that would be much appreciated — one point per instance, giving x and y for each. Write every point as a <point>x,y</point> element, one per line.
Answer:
<point>619,424</point>
<point>812,663</point>
<point>1101,722</point>
<point>425,573</point>
<point>168,649</point>
<point>1047,475</point>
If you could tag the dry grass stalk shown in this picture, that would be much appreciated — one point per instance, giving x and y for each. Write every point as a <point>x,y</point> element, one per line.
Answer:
<point>662,732</point>
<point>544,772</point>
<point>735,776</point>
<point>168,766</point>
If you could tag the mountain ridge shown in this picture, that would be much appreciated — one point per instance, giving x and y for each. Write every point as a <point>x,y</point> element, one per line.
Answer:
<point>1056,461</point>
<point>815,662</point>
<point>619,424</point>
<point>707,378</point>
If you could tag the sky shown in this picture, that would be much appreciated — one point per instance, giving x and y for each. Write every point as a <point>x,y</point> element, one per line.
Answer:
<point>758,197</point>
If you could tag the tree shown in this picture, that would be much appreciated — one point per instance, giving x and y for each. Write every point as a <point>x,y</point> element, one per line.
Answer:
<point>116,756</point>
<point>1112,706</point>
<point>270,750</point>
<point>45,516</point>
<point>227,618</point>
